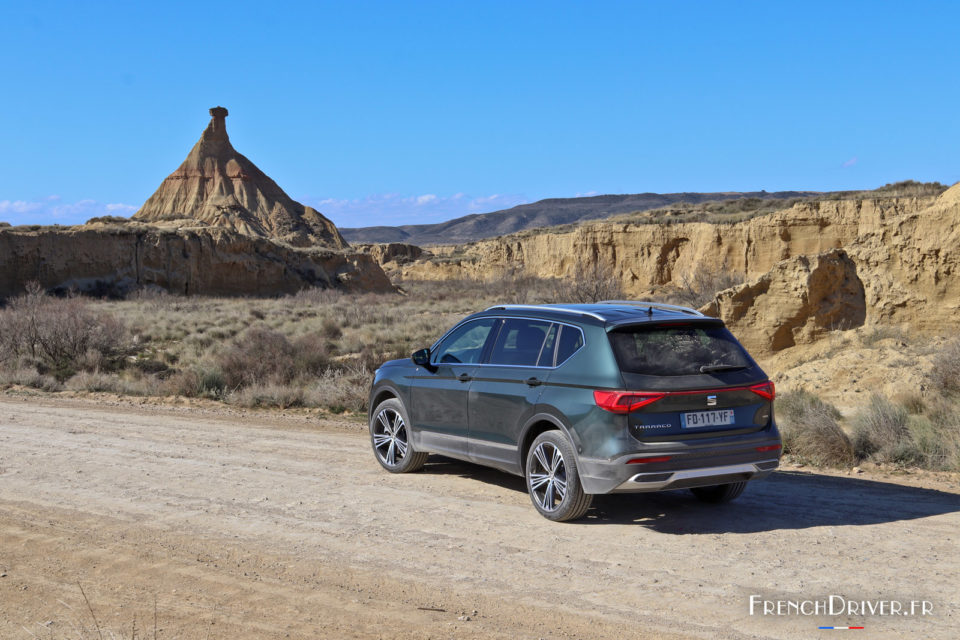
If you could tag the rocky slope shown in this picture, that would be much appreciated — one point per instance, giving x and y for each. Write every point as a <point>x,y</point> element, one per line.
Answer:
<point>903,252</point>
<point>543,213</point>
<point>115,259</point>
<point>219,187</point>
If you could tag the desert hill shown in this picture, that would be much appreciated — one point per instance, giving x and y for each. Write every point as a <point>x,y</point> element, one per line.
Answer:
<point>220,187</point>
<point>546,213</point>
<point>216,226</point>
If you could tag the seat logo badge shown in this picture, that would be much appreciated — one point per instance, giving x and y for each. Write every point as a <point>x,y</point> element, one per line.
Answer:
<point>711,401</point>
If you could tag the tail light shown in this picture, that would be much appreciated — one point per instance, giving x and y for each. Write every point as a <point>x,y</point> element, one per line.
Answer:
<point>771,447</point>
<point>765,390</point>
<point>624,401</point>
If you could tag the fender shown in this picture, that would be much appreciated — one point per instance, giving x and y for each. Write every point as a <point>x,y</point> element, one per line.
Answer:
<point>546,416</point>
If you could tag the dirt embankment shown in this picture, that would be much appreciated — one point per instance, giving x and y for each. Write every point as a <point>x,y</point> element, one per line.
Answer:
<point>266,526</point>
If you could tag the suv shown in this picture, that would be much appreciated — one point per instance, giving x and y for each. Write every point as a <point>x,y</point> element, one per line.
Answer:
<point>583,399</point>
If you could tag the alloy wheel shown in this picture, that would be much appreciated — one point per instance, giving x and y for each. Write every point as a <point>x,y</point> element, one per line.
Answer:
<point>548,478</point>
<point>390,437</point>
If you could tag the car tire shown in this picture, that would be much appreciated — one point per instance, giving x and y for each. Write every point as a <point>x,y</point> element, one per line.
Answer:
<point>390,438</point>
<point>720,493</point>
<point>553,480</point>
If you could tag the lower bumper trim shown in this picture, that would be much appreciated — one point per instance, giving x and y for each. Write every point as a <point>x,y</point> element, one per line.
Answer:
<point>659,480</point>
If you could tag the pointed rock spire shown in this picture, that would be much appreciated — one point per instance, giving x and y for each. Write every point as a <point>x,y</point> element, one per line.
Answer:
<point>218,186</point>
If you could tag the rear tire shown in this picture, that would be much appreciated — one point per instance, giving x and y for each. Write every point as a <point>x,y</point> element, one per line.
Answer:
<point>390,438</point>
<point>553,481</point>
<point>720,493</point>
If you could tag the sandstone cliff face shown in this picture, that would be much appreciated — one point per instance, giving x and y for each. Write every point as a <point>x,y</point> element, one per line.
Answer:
<point>796,302</point>
<point>906,252</point>
<point>219,187</point>
<point>113,260</point>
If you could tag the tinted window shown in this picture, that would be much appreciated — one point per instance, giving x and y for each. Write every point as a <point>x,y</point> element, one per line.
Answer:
<point>570,340</point>
<point>678,350</point>
<point>465,343</point>
<point>519,342</point>
<point>549,347</point>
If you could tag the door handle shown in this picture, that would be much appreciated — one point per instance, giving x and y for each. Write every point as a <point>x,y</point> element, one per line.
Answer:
<point>533,382</point>
<point>464,377</point>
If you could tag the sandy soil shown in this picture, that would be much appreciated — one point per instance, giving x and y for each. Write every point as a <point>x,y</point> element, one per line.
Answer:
<point>222,525</point>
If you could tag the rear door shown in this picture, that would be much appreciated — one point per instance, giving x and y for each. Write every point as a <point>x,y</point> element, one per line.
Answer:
<point>697,381</point>
<point>505,389</point>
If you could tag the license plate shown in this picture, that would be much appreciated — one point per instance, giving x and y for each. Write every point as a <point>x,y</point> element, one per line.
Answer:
<point>706,418</point>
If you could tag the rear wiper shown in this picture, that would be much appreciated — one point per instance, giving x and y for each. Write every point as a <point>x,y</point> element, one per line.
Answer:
<point>710,368</point>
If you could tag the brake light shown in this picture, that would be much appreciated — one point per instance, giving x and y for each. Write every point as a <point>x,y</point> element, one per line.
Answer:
<point>765,390</point>
<point>772,447</point>
<point>649,460</point>
<point>624,401</point>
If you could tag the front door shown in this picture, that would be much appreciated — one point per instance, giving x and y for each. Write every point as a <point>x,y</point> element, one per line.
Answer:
<point>439,398</point>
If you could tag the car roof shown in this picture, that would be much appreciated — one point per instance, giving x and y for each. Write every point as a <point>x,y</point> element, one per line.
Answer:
<point>610,313</point>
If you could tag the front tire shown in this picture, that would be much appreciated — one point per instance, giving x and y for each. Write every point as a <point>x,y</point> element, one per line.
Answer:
<point>720,493</point>
<point>553,481</point>
<point>390,438</point>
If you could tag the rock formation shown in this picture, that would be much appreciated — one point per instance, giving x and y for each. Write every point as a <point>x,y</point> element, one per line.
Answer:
<point>796,302</point>
<point>219,187</point>
<point>112,259</point>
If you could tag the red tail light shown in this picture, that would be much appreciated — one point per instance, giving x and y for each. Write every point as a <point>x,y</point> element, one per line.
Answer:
<point>649,460</point>
<point>765,390</point>
<point>624,401</point>
<point>772,447</point>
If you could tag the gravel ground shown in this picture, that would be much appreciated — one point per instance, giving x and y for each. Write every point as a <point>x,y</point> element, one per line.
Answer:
<point>206,523</point>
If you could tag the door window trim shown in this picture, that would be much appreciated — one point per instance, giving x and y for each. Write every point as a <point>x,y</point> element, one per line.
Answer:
<point>496,329</point>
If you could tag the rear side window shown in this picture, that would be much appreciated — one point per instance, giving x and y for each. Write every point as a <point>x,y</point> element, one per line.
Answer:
<point>520,342</point>
<point>465,343</point>
<point>571,339</point>
<point>677,350</point>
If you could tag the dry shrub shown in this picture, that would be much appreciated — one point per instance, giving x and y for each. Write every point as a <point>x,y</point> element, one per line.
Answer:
<point>700,287</point>
<point>263,356</point>
<point>195,382</point>
<point>591,282</point>
<point>109,382</point>
<point>811,430</point>
<point>946,367</point>
<point>881,433</point>
<point>340,390</point>
<point>28,377</point>
<point>63,335</point>
<point>268,395</point>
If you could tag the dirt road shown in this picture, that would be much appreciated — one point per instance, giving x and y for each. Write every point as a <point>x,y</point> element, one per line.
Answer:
<point>273,527</point>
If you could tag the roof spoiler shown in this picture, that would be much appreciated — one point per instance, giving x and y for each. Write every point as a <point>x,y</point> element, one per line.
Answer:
<point>654,305</point>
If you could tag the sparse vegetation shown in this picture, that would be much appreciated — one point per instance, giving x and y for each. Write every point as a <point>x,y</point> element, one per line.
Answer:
<point>699,288</point>
<point>593,281</point>
<point>811,430</point>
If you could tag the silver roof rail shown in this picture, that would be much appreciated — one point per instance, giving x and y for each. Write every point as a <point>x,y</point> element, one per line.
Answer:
<point>547,307</point>
<point>655,305</point>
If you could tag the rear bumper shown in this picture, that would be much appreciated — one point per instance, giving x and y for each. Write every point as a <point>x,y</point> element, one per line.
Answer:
<point>689,466</point>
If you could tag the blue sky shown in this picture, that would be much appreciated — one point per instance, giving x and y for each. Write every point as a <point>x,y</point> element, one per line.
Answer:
<point>397,113</point>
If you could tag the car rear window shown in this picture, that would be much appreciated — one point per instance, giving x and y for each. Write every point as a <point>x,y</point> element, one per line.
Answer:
<point>677,350</point>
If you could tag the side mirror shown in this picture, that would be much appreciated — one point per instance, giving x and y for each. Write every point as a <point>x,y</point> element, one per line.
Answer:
<point>421,358</point>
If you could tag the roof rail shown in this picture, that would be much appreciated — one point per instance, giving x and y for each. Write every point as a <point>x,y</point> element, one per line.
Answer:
<point>545,307</point>
<point>655,305</point>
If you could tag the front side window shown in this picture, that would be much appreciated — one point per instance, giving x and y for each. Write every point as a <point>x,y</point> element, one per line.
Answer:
<point>520,342</point>
<point>464,345</point>
<point>678,350</point>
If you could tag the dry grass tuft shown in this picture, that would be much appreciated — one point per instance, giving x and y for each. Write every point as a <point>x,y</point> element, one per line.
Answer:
<point>811,430</point>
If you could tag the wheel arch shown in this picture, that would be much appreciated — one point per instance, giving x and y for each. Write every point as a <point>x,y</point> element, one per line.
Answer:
<point>384,392</point>
<point>536,425</point>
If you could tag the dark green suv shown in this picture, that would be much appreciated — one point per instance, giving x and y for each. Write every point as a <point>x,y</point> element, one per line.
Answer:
<point>583,399</point>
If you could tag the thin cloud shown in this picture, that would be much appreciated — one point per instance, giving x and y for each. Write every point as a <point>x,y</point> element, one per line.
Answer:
<point>395,209</point>
<point>52,210</point>
<point>849,163</point>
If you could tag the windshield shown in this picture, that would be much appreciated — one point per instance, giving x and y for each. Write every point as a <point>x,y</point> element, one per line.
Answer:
<point>678,350</point>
